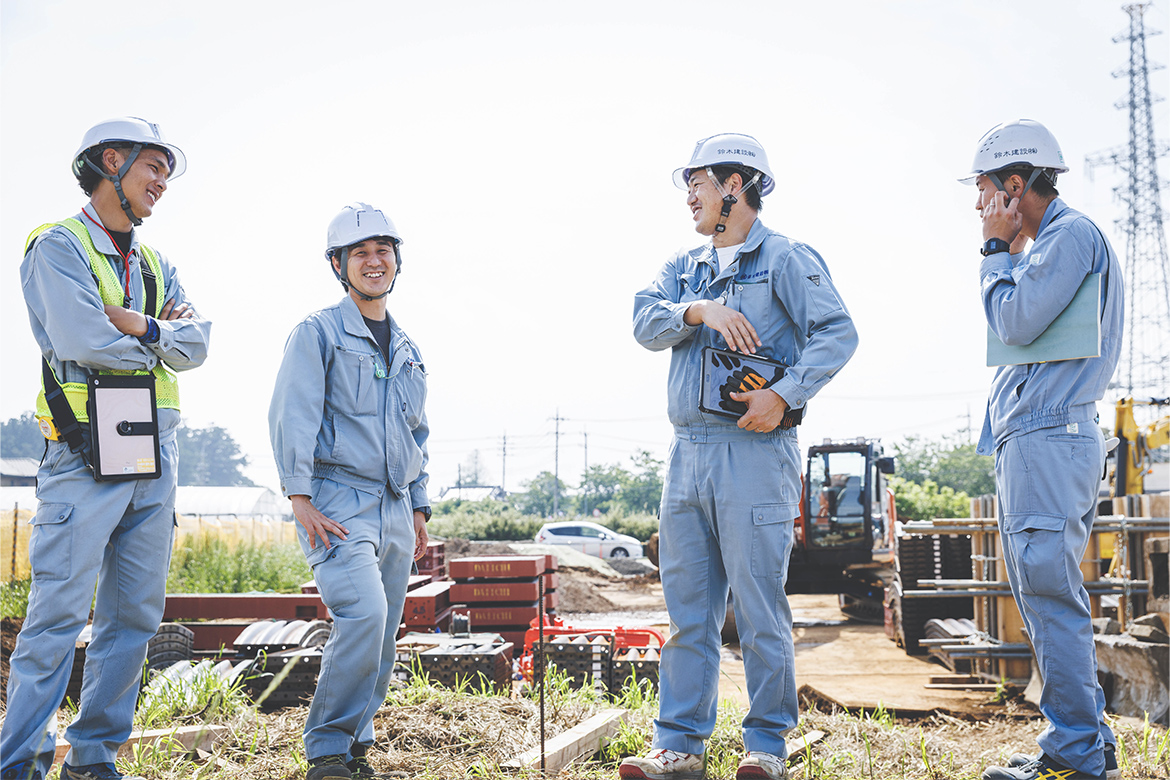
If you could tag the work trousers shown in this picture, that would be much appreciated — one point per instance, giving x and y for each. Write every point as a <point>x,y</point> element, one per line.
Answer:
<point>362,581</point>
<point>1048,481</point>
<point>119,535</point>
<point>728,506</point>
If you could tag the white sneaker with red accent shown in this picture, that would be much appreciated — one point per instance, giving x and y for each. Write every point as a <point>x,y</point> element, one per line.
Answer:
<point>761,766</point>
<point>663,764</point>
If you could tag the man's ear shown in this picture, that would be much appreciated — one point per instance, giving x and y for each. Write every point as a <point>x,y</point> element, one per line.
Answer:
<point>111,160</point>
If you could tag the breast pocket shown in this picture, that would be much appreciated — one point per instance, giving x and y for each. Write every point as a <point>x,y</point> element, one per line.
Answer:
<point>351,382</point>
<point>753,301</point>
<point>412,392</point>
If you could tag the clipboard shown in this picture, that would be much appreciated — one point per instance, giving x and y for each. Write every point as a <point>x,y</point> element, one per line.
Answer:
<point>123,423</point>
<point>1074,334</point>
<point>725,372</point>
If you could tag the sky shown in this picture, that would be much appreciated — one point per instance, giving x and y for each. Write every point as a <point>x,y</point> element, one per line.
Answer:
<point>524,151</point>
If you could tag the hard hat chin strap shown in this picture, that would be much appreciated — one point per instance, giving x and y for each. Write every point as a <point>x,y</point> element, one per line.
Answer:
<point>998,181</point>
<point>116,180</point>
<point>729,200</point>
<point>343,276</point>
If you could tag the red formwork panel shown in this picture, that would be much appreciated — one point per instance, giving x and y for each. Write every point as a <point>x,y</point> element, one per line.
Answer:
<point>221,606</point>
<point>509,615</point>
<point>438,574</point>
<point>424,604</point>
<point>500,567</point>
<point>212,636</point>
<point>440,624</point>
<point>504,595</point>
<point>433,558</point>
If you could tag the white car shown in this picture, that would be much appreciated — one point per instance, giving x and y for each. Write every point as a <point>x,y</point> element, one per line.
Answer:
<point>591,539</point>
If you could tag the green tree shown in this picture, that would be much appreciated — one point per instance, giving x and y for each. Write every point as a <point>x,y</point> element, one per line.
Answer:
<point>600,486</point>
<point>948,462</point>
<point>927,501</point>
<point>21,438</point>
<point>537,498</point>
<point>210,456</point>
<point>642,489</point>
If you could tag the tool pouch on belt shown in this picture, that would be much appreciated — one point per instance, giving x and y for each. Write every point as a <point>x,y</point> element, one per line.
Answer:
<point>123,425</point>
<point>726,372</point>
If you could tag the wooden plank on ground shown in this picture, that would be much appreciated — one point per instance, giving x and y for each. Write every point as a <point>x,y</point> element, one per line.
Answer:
<point>803,742</point>
<point>190,738</point>
<point>584,739</point>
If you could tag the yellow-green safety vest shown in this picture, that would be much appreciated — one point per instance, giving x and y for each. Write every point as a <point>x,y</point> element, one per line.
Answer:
<point>166,385</point>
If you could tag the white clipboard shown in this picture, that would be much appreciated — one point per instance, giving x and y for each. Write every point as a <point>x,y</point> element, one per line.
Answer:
<point>123,422</point>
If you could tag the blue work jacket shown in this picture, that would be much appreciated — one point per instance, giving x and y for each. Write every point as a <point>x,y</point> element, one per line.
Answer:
<point>784,290</point>
<point>1022,295</point>
<point>339,412</point>
<point>69,321</point>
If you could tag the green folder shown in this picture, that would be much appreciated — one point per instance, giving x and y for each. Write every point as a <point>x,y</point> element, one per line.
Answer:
<point>1075,334</point>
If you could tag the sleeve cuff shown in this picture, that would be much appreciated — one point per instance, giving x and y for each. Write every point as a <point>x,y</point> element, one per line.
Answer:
<point>152,332</point>
<point>790,392</point>
<point>297,486</point>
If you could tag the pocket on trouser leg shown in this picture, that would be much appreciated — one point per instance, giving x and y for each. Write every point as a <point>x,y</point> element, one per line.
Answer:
<point>1037,544</point>
<point>771,539</point>
<point>331,574</point>
<point>50,547</point>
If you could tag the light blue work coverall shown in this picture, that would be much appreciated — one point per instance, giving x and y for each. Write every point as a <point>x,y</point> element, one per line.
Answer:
<point>731,495</point>
<point>351,432</point>
<point>118,534</point>
<point>1041,425</point>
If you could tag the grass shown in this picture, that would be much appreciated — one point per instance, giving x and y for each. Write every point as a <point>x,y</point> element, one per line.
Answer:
<point>14,598</point>
<point>431,733</point>
<point>207,564</point>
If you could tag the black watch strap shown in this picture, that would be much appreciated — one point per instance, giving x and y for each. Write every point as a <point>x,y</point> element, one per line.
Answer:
<point>994,246</point>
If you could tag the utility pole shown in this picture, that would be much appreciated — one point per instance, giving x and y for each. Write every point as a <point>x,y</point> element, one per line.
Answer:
<point>557,464</point>
<point>504,464</point>
<point>1145,354</point>
<point>459,481</point>
<point>585,474</point>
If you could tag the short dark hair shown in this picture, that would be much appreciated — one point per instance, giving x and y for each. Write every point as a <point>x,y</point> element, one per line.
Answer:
<point>1043,186</point>
<point>750,194</point>
<point>88,178</point>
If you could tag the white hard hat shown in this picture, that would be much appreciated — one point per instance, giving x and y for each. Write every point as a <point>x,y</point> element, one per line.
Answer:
<point>356,223</point>
<point>728,149</point>
<point>1018,142</point>
<point>129,129</point>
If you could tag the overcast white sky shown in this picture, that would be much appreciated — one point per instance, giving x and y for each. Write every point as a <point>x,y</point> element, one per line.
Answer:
<point>524,150</point>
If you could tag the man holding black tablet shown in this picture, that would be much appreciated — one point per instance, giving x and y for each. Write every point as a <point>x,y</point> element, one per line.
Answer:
<point>733,486</point>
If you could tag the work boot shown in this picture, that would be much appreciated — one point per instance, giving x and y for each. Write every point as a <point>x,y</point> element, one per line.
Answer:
<point>1043,768</point>
<point>25,771</point>
<point>761,766</point>
<point>663,764</point>
<point>95,772</point>
<point>1111,770</point>
<point>360,769</point>
<point>332,765</point>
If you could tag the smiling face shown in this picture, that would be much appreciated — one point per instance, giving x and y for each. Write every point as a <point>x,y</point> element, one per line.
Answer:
<point>145,182</point>
<point>372,265</point>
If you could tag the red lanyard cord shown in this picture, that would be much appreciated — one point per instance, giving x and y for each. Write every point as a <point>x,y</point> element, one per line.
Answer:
<point>118,249</point>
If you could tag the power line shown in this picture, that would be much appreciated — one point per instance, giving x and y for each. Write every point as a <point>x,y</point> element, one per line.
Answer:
<point>1143,368</point>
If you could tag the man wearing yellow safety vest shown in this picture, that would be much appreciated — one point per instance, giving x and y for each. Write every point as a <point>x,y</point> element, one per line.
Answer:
<point>101,304</point>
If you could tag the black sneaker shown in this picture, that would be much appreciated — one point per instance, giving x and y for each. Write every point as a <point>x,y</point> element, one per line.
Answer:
<point>1043,768</point>
<point>25,771</point>
<point>361,770</point>
<point>332,765</point>
<point>1111,770</point>
<point>95,772</point>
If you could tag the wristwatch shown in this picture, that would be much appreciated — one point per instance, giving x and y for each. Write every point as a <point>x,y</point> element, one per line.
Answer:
<point>994,246</point>
<point>426,510</point>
